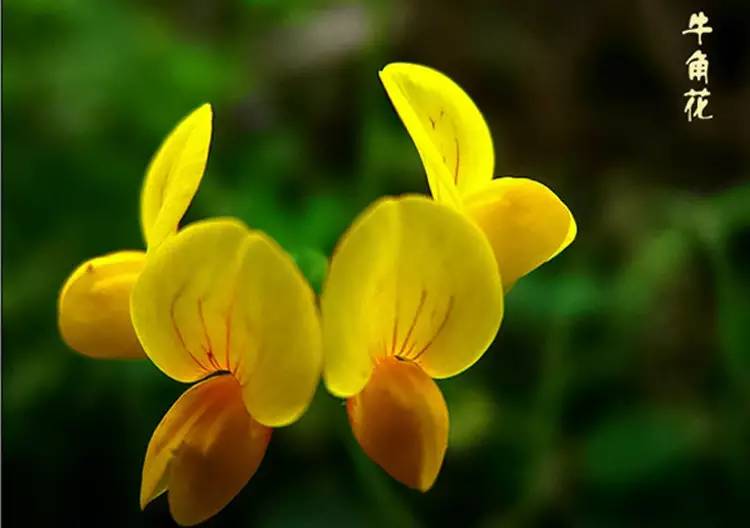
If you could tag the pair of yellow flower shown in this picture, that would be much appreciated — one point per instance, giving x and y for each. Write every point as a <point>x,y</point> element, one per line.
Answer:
<point>414,292</point>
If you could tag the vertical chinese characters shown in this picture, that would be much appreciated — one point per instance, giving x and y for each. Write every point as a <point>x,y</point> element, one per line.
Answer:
<point>697,65</point>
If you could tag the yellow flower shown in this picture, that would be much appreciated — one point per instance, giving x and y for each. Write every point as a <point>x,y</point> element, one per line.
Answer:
<point>525,223</point>
<point>225,305</point>
<point>93,307</point>
<point>413,294</point>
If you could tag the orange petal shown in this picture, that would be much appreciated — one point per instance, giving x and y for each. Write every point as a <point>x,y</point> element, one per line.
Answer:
<point>401,421</point>
<point>94,306</point>
<point>204,451</point>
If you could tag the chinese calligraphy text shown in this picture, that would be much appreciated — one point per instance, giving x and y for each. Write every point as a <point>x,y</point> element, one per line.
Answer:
<point>697,65</point>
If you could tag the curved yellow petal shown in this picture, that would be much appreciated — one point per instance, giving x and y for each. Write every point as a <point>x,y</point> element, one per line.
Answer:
<point>204,451</point>
<point>447,128</point>
<point>94,306</point>
<point>525,222</point>
<point>219,297</point>
<point>173,176</point>
<point>401,421</point>
<point>411,278</point>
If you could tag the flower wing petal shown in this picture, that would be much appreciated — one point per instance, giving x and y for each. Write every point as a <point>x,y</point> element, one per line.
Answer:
<point>281,317</point>
<point>204,451</point>
<point>173,176</point>
<point>219,297</point>
<point>525,222</point>
<point>94,306</point>
<point>357,299</point>
<point>447,128</point>
<point>411,278</point>
<point>184,304</point>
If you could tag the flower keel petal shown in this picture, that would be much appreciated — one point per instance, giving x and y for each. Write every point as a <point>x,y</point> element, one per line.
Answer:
<point>401,421</point>
<point>204,451</point>
<point>94,306</point>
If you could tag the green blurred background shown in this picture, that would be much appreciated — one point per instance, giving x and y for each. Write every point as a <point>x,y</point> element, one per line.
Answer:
<point>618,390</point>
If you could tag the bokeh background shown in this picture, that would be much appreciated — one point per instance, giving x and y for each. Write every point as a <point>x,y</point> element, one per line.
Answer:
<point>618,390</point>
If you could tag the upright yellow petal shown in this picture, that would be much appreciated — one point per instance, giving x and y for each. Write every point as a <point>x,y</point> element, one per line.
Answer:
<point>447,128</point>
<point>525,222</point>
<point>204,451</point>
<point>174,175</point>
<point>218,297</point>
<point>94,306</point>
<point>401,421</point>
<point>411,278</point>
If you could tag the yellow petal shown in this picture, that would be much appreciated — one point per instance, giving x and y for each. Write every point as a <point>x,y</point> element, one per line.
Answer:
<point>94,306</point>
<point>204,451</point>
<point>219,297</point>
<point>411,278</point>
<point>174,175</point>
<point>446,126</point>
<point>525,222</point>
<point>401,421</point>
